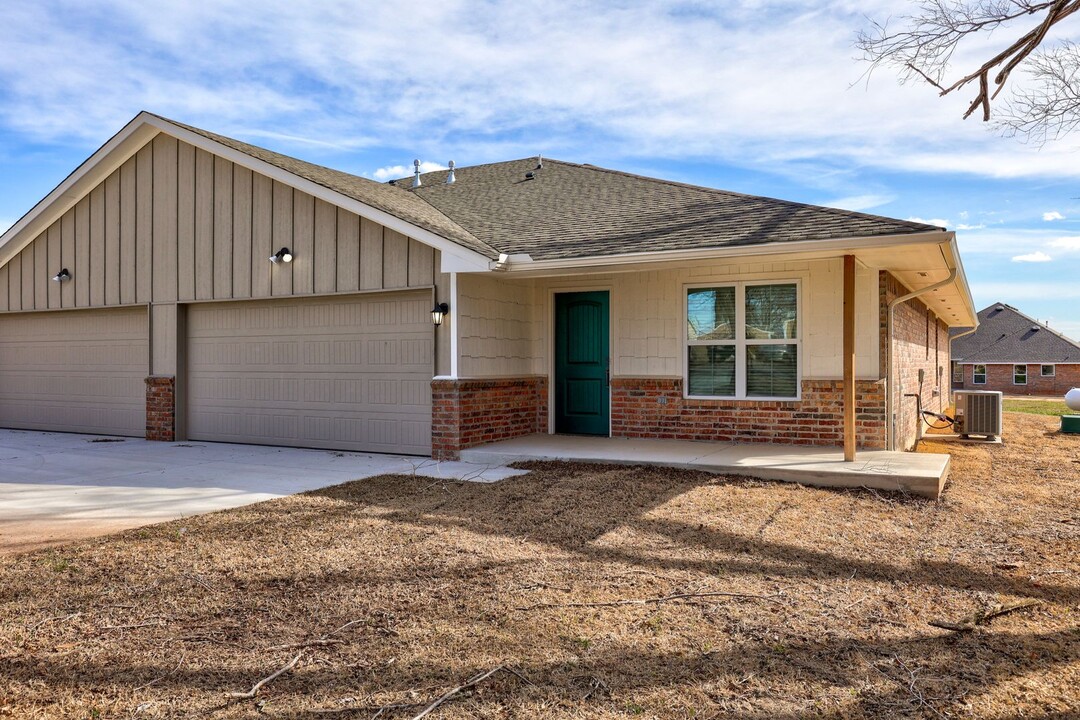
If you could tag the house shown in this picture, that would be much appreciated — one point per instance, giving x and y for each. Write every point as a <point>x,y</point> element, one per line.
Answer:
<point>184,285</point>
<point>1015,354</point>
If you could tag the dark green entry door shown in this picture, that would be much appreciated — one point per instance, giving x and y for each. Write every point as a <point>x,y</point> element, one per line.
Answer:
<point>581,363</point>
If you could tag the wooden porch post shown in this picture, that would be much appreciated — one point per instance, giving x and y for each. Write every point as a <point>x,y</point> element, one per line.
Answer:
<point>849,358</point>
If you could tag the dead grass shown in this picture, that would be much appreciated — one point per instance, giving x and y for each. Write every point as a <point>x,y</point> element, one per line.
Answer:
<point>442,583</point>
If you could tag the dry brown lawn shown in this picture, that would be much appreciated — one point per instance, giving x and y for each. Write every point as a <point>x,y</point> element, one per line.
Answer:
<point>830,593</point>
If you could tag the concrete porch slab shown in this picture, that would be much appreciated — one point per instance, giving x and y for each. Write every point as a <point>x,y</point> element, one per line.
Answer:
<point>915,473</point>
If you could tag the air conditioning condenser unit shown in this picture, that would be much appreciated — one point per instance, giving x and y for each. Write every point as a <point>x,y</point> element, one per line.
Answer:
<point>978,412</point>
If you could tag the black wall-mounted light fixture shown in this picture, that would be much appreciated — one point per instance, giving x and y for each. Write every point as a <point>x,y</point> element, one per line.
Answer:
<point>438,313</point>
<point>61,276</point>
<point>281,256</point>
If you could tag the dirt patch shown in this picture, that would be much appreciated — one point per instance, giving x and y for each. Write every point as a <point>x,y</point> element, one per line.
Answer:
<point>410,588</point>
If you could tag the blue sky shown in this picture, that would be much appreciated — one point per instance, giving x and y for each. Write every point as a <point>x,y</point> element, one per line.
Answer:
<point>754,96</point>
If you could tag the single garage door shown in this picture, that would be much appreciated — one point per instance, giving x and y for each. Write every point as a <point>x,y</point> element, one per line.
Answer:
<point>74,371</point>
<point>350,373</point>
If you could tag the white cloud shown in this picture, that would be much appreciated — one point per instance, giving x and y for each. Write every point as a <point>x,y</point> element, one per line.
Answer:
<point>860,202</point>
<point>1066,243</point>
<point>1036,257</point>
<point>939,222</point>
<point>779,77</point>
<point>1052,215</point>
<point>965,226</point>
<point>392,172</point>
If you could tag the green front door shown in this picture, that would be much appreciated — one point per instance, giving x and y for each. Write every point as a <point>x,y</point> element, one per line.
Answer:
<point>581,363</point>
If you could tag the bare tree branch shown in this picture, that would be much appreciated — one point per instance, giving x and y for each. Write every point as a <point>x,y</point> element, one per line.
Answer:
<point>925,47</point>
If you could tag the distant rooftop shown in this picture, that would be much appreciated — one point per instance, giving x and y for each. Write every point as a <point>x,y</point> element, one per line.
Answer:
<point>1006,335</point>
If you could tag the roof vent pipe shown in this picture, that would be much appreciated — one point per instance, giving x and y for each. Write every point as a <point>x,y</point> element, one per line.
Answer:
<point>450,179</point>
<point>416,174</point>
<point>539,162</point>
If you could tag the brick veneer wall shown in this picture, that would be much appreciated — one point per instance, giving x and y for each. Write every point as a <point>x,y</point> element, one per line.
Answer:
<point>920,342</point>
<point>1000,377</point>
<point>656,408</point>
<point>161,408</point>
<point>468,412</point>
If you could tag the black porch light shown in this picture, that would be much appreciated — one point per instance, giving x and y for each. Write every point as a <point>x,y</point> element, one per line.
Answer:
<point>438,313</point>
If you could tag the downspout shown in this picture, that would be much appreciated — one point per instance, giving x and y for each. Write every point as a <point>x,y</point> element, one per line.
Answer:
<point>890,403</point>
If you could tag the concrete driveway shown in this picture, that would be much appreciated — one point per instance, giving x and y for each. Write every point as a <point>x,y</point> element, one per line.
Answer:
<point>60,486</point>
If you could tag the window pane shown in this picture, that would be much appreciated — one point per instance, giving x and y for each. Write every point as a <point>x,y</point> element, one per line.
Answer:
<point>1019,374</point>
<point>1048,370</point>
<point>772,370</point>
<point>712,370</point>
<point>710,313</point>
<point>771,312</point>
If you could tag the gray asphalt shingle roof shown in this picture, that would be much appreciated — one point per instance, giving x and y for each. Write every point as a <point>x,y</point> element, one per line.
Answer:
<point>1007,335</point>
<point>568,210</point>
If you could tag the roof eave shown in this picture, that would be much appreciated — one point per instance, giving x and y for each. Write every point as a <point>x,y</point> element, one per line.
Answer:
<point>831,246</point>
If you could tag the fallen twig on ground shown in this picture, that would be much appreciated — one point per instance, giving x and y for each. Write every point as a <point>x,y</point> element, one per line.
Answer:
<point>467,685</point>
<point>655,600</point>
<point>983,617</point>
<point>269,678</point>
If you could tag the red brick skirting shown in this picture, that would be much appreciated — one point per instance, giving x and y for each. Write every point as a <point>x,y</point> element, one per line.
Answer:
<point>161,408</point>
<point>465,413</point>
<point>656,408</point>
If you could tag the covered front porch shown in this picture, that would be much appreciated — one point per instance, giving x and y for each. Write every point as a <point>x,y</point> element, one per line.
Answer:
<point>921,474</point>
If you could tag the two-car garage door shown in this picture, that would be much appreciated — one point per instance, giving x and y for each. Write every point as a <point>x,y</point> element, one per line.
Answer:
<point>74,371</point>
<point>344,372</point>
<point>351,373</point>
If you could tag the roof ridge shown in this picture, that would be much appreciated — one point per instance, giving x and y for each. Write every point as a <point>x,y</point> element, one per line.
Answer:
<point>690,186</point>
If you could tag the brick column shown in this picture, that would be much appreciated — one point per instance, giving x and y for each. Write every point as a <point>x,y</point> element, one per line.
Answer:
<point>470,412</point>
<point>161,408</point>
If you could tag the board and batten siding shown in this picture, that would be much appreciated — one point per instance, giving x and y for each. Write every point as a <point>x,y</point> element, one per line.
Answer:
<point>176,223</point>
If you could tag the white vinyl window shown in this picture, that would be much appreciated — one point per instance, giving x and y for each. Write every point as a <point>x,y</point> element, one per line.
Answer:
<point>1019,374</point>
<point>742,341</point>
<point>978,374</point>
<point>1048,370</point>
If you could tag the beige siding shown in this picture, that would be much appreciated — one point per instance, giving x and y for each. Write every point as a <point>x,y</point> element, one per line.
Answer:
<point>176,223</point>
<point>504,324</point>
<point>498,326</point>
<point>112,258</point>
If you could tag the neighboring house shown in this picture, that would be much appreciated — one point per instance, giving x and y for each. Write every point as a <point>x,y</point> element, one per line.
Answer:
<point>1015,354</point>
<point>579,300</point>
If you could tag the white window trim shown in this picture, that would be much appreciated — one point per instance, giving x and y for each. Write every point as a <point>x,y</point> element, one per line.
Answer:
<point>1053,370</point>
<point>740,343</point>
<point>974,372</point>
<point>1014,374</point>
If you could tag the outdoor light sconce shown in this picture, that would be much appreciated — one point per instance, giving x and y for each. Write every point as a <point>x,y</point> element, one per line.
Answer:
<point>438,313</point>
<point>282,255</point>
<point>61,276</point>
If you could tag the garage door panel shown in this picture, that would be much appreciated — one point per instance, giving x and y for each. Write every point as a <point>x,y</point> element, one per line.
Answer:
<point>348,372</point>
<point>80,371</point>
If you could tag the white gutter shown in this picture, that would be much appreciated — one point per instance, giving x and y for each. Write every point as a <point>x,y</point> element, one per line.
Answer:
<point>890,402</point>
<point>519,265</point>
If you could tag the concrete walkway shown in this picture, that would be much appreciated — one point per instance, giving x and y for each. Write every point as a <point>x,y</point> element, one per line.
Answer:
<point>917,473</point>
<point>60,486</point>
